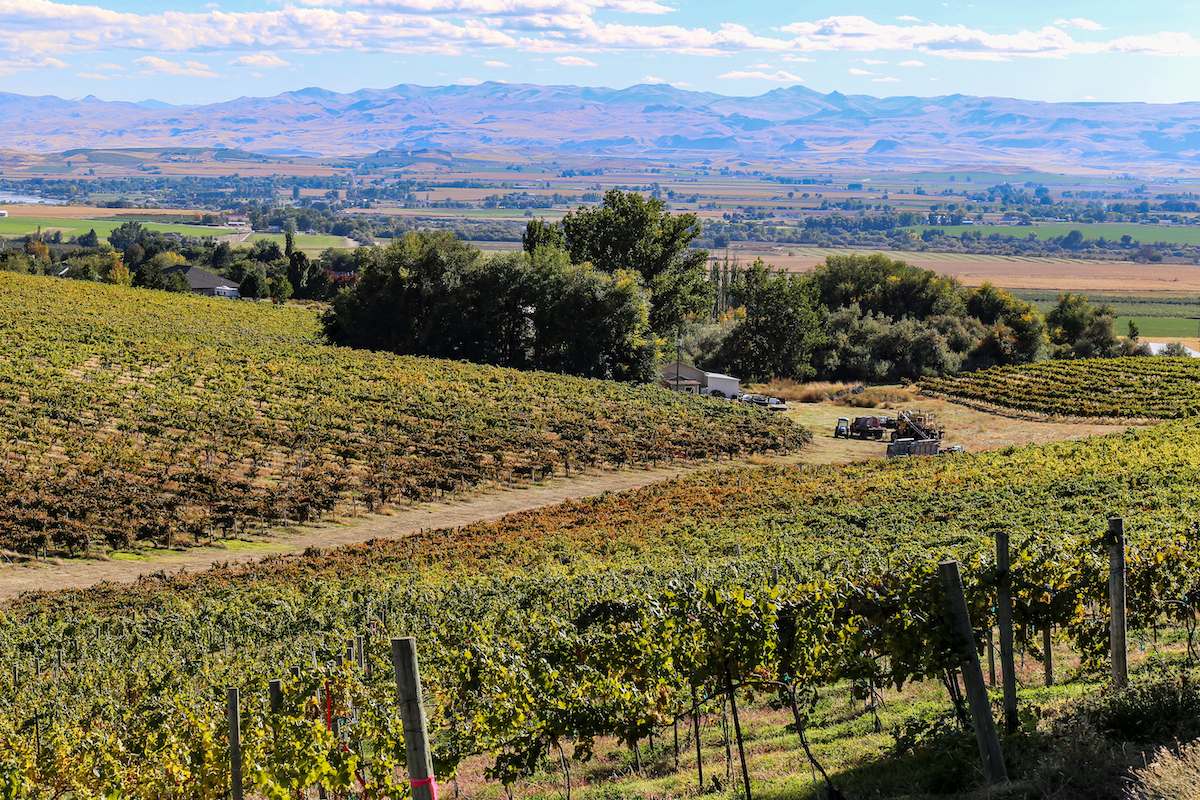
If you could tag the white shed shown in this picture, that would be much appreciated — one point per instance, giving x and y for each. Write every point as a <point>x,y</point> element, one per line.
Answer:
<point>692,380</point>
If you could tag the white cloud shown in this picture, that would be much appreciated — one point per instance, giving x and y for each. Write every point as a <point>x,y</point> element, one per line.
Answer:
<point>858,33</point>
<point>872,61</point>
<point>468,81</point>
<point>885,80</point>
<point>798,59</point>
<point>912,63</point>
<point>496,64</point>
<point>574,61</point>
<point>31,29</point>
<point>1080,23</point>
<point>13,66</point>
<point>152,65</point>
<point>1088,97</point>
<point>680,84</point>
<point>652,79</point>
<point>110,66</point>
<point>778,77</point>
<point>760,66</point>
<point>260,61</point>
<point>95,76</point>
<point>857,71</point>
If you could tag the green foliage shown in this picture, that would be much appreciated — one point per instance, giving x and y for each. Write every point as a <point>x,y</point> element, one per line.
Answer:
<point>630,233</point>
<point>1158,707</point>
<point>126,236</point>
<point>1080,330</point>
<point>539,233</point>
<point>431,294</point>
<point>879,285</point>
<point>780,330</point>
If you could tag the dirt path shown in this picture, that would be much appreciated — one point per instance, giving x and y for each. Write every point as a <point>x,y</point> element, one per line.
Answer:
<point>78,573</point>
<point>975,429</point>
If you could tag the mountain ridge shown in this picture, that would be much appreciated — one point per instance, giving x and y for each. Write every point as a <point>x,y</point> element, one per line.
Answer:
<point>654,120</point>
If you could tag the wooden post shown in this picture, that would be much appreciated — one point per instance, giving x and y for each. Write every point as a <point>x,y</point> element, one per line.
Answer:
<point>1008,673</point>
<point>977,698</point>
<point>358,652</point>
<point>1049,656</point>
<point>276,696</point>
<point>737,728</point>
<point>991,647</point>
<point>1116,599</point>
<point>233,714</point>
<point>696,728</point>
<point>412,715</point>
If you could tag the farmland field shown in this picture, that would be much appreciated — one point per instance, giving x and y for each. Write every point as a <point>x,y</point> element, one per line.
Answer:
<point>20,226</point>
<point>135,417</point>
<point>303,242</point>
<point>1138,388</point>
<point>609,617</point>
<point>1146,234</point>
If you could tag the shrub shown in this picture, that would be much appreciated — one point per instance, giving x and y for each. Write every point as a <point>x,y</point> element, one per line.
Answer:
<point>1172,775</point>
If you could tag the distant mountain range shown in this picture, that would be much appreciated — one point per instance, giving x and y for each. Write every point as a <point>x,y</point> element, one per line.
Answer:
<point>792,123</point>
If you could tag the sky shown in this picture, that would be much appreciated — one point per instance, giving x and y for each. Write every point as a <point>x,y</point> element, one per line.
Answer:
<point>193,53</point>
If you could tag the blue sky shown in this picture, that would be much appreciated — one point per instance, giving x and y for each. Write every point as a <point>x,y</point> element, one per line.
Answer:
<point>207,52</point>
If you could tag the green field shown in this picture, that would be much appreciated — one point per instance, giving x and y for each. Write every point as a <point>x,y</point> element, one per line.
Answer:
<point>1184,306</point>
<point>21,226</point>
<point>1147,234</point>
<point>303,242</point>
<point>1154,328</point>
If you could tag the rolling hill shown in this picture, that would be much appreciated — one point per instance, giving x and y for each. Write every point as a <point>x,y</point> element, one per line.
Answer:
<point>793,122</point>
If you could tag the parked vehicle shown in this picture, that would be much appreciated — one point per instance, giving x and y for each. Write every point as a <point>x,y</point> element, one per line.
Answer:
<point>775,404</point>
<point>867,428</point>
<point>842,429</point>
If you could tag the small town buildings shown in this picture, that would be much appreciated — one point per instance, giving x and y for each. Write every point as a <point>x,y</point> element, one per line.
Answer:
<point>680,377</point>
<point>206,283</point>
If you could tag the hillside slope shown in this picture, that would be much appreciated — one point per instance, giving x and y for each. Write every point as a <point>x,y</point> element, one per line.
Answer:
<point>131,415</point>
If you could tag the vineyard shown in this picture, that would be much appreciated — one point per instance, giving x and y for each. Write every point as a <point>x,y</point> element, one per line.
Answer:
<point>139,417</point>
<point>624,615</point>
<point>1127,388</point>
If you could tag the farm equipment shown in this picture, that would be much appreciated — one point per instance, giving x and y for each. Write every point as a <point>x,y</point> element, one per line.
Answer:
<point>912,447</point>
<point>867,428</point>
<point>842,429</point>
<point>917,425</point>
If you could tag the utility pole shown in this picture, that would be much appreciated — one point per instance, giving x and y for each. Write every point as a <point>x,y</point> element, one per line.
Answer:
<point>678,351</point>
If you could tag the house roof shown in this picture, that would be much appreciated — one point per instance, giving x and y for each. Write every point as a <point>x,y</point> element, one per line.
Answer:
<point>199,278</point>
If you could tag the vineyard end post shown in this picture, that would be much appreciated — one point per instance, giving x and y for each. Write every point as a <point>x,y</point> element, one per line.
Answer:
<point>234,716</point>
<point>1116,599</point>
<point>1008,673</point>
<point>412,716</point>
<point>972,672</point>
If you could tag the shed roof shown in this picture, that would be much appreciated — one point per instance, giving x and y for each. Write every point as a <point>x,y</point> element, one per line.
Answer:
<point>199,278</point>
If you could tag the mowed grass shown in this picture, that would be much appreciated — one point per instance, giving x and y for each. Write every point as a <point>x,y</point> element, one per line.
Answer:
<point>21,226</point>
<point>1152,328</point>
<point>1146,234</point>
<point>302,242</point>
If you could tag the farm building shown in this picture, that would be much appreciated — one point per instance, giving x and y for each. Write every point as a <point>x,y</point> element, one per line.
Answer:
<point>680,377</point>
<point>3,213</point>
<point>206,283</point>
<point>1157,348</point>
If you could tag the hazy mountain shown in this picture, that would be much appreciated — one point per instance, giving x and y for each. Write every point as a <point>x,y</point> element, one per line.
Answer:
<point>794,123</point>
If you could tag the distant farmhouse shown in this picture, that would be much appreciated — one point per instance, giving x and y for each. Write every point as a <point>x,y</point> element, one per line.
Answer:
<point>204,282</point>
<point>680,377</point>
